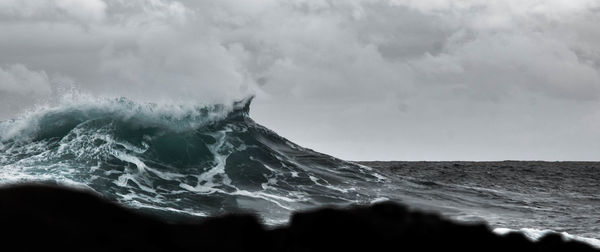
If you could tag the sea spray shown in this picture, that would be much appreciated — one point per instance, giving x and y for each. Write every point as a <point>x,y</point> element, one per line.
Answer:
<point>177,160</point>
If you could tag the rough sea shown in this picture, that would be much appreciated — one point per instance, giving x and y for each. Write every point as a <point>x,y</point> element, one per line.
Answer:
<point>533,197</point>
<point>185,162</point>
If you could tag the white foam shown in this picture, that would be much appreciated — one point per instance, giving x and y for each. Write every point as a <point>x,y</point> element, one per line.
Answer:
<point>379,199</point>
<point>535,234</point>
<point>177,117</point>
<point>379,176</point>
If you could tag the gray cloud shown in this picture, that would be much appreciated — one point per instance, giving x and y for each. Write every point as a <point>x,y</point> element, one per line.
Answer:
<point>20,86</point>
<point>17,79</point>
<point>52,10</point>
<point>379,79</point>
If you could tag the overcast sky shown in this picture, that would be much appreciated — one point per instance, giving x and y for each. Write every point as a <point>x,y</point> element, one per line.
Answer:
<point>360,80</point>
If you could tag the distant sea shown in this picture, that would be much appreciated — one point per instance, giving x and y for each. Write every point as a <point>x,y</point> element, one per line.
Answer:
<point>530,196</point>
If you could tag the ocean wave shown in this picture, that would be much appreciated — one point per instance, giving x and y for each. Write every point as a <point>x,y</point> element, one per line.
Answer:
<point>201,160</point>
<point>193,161</point>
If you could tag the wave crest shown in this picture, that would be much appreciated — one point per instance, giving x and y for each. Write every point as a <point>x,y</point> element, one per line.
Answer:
<point>47,122</point>
<point>199,160</point>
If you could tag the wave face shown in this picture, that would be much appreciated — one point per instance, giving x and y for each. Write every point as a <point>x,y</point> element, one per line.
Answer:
<point>177,161</point>
<point>181,162</point>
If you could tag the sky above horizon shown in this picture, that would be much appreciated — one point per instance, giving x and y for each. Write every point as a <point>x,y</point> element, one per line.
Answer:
<point>356,79</point>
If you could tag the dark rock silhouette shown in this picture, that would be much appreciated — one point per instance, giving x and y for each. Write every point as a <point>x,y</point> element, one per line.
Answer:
<point>48,217</point>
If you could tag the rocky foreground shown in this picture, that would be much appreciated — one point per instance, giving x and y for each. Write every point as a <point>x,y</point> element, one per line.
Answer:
<point>49,217</point>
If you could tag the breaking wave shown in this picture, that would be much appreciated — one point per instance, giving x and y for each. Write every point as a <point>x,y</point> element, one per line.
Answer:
<point>188,161</point>
<point>177,160</point>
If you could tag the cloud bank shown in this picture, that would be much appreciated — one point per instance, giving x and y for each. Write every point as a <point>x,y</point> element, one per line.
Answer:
<point>377,79</point>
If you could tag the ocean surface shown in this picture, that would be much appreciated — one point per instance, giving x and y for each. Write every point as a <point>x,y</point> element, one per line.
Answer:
<point>530,196</point>
<point>192,161</point>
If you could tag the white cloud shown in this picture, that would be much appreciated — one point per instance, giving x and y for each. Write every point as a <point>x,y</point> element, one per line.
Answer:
<point>53,10</point>
<point>419,70</point>
<point>83,9</point>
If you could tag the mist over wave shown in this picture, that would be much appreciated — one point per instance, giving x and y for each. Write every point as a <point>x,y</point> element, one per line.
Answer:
<point>177,160</point>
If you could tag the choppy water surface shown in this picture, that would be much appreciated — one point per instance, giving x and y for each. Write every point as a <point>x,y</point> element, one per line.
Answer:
<point>528,195</point>
<point>180,161</point>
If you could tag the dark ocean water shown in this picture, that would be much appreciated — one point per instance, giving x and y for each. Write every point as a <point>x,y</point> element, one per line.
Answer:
<point>178,161</point>
<point>530,195</point>
<point>181,162</point>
